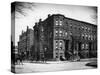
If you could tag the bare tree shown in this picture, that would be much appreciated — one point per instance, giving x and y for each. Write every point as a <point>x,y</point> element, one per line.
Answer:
<point>19,7</point>
<point>94,17</point>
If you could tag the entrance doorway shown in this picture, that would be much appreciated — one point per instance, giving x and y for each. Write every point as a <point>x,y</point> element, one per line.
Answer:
<point>90,50</point>
<point>67,52</point>
<point>79,50</point>
<point>66,45</point>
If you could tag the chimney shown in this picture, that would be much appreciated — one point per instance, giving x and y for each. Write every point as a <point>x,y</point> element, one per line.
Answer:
<point>27,27</point>
<point>35,23</point>
<point>40,20</point>
<point>48,15</point>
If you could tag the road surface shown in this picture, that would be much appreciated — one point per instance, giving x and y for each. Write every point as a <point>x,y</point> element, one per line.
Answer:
<point>51,66</point>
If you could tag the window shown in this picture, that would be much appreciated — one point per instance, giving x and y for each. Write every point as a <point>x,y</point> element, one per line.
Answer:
<point>85,28</point>
<point>88,29</point>
<point>70,33</point>
<point>56,56</point>
<point>86,36</point>
<point>70,26</point>
<point>82,46</point>
<point>61,54</point>
<point>56,44</point>
<point>86,46</point>
<point>56,32</point>
<point>89,37</point>
<point>57,23</point>
<point>60,48</point>
<point>66,33</point>
<point>60,43</point>
<point>60,33</point>
<point>79,28</point>
<point>60,23</point>
<point>82,35</point>
<point>56,53</point>
<point>56,47</point>
<point>42,29</point>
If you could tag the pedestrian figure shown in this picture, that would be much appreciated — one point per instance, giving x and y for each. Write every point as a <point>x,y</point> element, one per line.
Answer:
<point>19,60</point>
<point>43,59</point>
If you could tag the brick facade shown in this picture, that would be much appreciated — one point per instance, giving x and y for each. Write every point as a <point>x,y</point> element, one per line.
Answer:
<point>26,44</point>
<point>60,37</point>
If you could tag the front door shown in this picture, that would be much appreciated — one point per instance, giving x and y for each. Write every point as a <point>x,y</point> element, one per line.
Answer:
<point>90,54</point>
<point>67,54</point>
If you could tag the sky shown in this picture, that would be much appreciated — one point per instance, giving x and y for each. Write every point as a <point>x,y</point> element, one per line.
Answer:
<point>41,10</point>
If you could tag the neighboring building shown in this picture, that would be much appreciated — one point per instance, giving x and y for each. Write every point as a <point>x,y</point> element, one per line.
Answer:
<point>60,37</point>
<point>25,44</point>
<point>16,50</point>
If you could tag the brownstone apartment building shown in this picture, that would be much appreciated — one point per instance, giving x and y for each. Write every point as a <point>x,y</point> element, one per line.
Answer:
<point>25,44</point>
<point>60,37</point>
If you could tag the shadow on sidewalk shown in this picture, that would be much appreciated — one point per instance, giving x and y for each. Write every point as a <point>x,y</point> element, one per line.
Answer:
<point>92,64</point>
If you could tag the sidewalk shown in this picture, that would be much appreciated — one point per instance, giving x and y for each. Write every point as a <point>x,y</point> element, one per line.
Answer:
<point>81,60</point>
<point>60,62</point>
<point>89,59</point>
<point>52,66</point>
